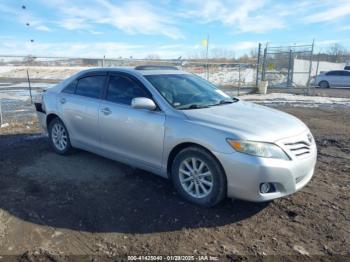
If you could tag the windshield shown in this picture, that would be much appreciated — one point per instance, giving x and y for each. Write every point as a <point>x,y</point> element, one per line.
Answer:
<point>185,91</point>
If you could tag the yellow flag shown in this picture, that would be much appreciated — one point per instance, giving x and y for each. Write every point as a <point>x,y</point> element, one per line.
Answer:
<point>204,42</point>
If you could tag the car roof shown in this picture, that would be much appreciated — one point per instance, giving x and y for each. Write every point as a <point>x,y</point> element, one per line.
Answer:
<point>133,71</point>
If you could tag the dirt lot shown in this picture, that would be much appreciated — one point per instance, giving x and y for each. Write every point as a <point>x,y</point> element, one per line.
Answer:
<point>53,206</point>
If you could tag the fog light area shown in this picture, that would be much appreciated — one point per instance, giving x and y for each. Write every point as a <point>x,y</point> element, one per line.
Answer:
<point>267,188</point>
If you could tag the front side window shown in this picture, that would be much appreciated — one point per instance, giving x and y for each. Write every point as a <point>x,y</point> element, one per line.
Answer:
<point>185,91</point>
<point>70,88</point>
<point>90,86</point>
<point>122,90</point>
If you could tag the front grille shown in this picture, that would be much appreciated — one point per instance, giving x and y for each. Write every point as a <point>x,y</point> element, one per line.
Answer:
<point>299,149</point>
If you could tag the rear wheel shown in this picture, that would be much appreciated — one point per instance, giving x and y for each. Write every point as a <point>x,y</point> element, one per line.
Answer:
<point>198,177</point>
<point>59,137</point>
<point>324,84</point>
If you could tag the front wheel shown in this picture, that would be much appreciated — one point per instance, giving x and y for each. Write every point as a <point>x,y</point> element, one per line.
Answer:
<point>198,177</point>
<point>59,137</point>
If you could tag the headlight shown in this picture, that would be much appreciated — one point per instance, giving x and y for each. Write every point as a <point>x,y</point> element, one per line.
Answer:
<point>258,149</point>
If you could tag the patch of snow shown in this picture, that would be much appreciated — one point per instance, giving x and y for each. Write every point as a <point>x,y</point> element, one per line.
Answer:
<point>40,72</point>
<point>307,101</point>
<point>22,95</point>
<point>25,85</point>
<point>230,76</point>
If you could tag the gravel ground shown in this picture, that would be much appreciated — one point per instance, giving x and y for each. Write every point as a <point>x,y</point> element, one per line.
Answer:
<point>82,206</point>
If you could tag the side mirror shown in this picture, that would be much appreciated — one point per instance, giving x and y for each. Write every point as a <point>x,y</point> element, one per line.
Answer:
<point>143,103</point>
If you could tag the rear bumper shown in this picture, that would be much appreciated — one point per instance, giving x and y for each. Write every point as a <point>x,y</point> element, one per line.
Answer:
<point>245,174</point>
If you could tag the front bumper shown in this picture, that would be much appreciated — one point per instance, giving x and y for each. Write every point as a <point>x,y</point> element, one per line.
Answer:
<point>41,114</point>
<point>245,173</point>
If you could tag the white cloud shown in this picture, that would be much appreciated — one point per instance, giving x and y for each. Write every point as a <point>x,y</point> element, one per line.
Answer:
<point>130,17</point>
<point>333,11</point>
<point>73,23</point>
<point>43,28</point>
<point>242,16</point>
<point>245,45</point>
<point>88,49</point>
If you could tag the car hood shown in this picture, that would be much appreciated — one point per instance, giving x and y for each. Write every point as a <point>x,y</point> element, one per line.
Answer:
<point>249,121</point>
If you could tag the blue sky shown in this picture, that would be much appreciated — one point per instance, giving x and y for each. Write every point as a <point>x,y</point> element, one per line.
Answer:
<point>169,29</point>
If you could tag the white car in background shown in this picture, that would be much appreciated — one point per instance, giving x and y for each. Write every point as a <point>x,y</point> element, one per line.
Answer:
<point>334,78</point>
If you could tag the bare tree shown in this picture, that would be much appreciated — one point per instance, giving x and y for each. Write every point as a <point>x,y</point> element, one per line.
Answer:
<point>253,53</point>
<point>338,53</point>
<point>222,54</point>
<point>153,57</point>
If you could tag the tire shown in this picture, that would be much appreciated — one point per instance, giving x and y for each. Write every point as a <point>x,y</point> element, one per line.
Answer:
<point>57,131</point>
<point>187,183</point>
<point>323,84</point>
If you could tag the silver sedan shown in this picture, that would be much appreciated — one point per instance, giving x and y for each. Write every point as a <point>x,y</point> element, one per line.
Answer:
<point>179,126</point>
<point>335,78</point>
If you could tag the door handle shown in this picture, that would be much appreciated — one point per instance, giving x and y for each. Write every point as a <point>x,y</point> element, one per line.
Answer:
<point>63,100</point>
<point>106,111</point>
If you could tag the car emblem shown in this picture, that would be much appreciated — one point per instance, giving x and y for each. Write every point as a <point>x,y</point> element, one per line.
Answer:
<point>309,137</point>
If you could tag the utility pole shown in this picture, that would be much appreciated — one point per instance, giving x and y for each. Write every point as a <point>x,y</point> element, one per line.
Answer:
<point>264,64</point>
<point>29,57</point>
<point>1,118</point>
<point>289,82</point>
<point>318,64</point>
<point>30,88</point>
<point>239,79</point>
<point>258,66</point>
<point>207,57</point>
<point>310,67</point>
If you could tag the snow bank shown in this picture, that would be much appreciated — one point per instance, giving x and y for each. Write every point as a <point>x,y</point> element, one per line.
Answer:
<point>40,72</point>
<point>226,76</point>
<point>231,76</point>
<point>299,100</point>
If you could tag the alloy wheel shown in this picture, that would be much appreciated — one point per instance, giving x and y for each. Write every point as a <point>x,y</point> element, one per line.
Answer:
<point>195,177</point>
<point>59,136</point>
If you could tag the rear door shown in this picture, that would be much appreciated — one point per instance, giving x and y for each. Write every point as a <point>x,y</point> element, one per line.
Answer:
<point>132,135</point>
<point>333,78</point>
<point>80,109</point>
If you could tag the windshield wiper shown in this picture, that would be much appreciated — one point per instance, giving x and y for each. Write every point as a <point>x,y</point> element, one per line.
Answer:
<point>225,101</point>
<point>193,106</point>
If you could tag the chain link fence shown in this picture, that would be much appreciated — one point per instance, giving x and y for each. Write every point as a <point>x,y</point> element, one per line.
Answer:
<point>22,79</point>
<point>288,68</point>
<point>293,68</point>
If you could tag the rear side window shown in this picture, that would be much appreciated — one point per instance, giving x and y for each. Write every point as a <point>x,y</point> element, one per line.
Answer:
<point>90,86</point>
<point>122,90</point>
<point>332,73</point>
<point>70,88</point>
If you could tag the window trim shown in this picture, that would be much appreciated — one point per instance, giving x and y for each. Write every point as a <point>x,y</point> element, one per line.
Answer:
<point>131,78</point>
<point>91,75</point>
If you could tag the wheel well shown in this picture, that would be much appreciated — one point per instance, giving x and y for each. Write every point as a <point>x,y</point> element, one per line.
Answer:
<point>49,118</point>
<point>323,81</point>
<point>182,146</point>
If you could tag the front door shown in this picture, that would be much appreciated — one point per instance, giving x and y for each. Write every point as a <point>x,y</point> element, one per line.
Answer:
<point>127,133</point>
